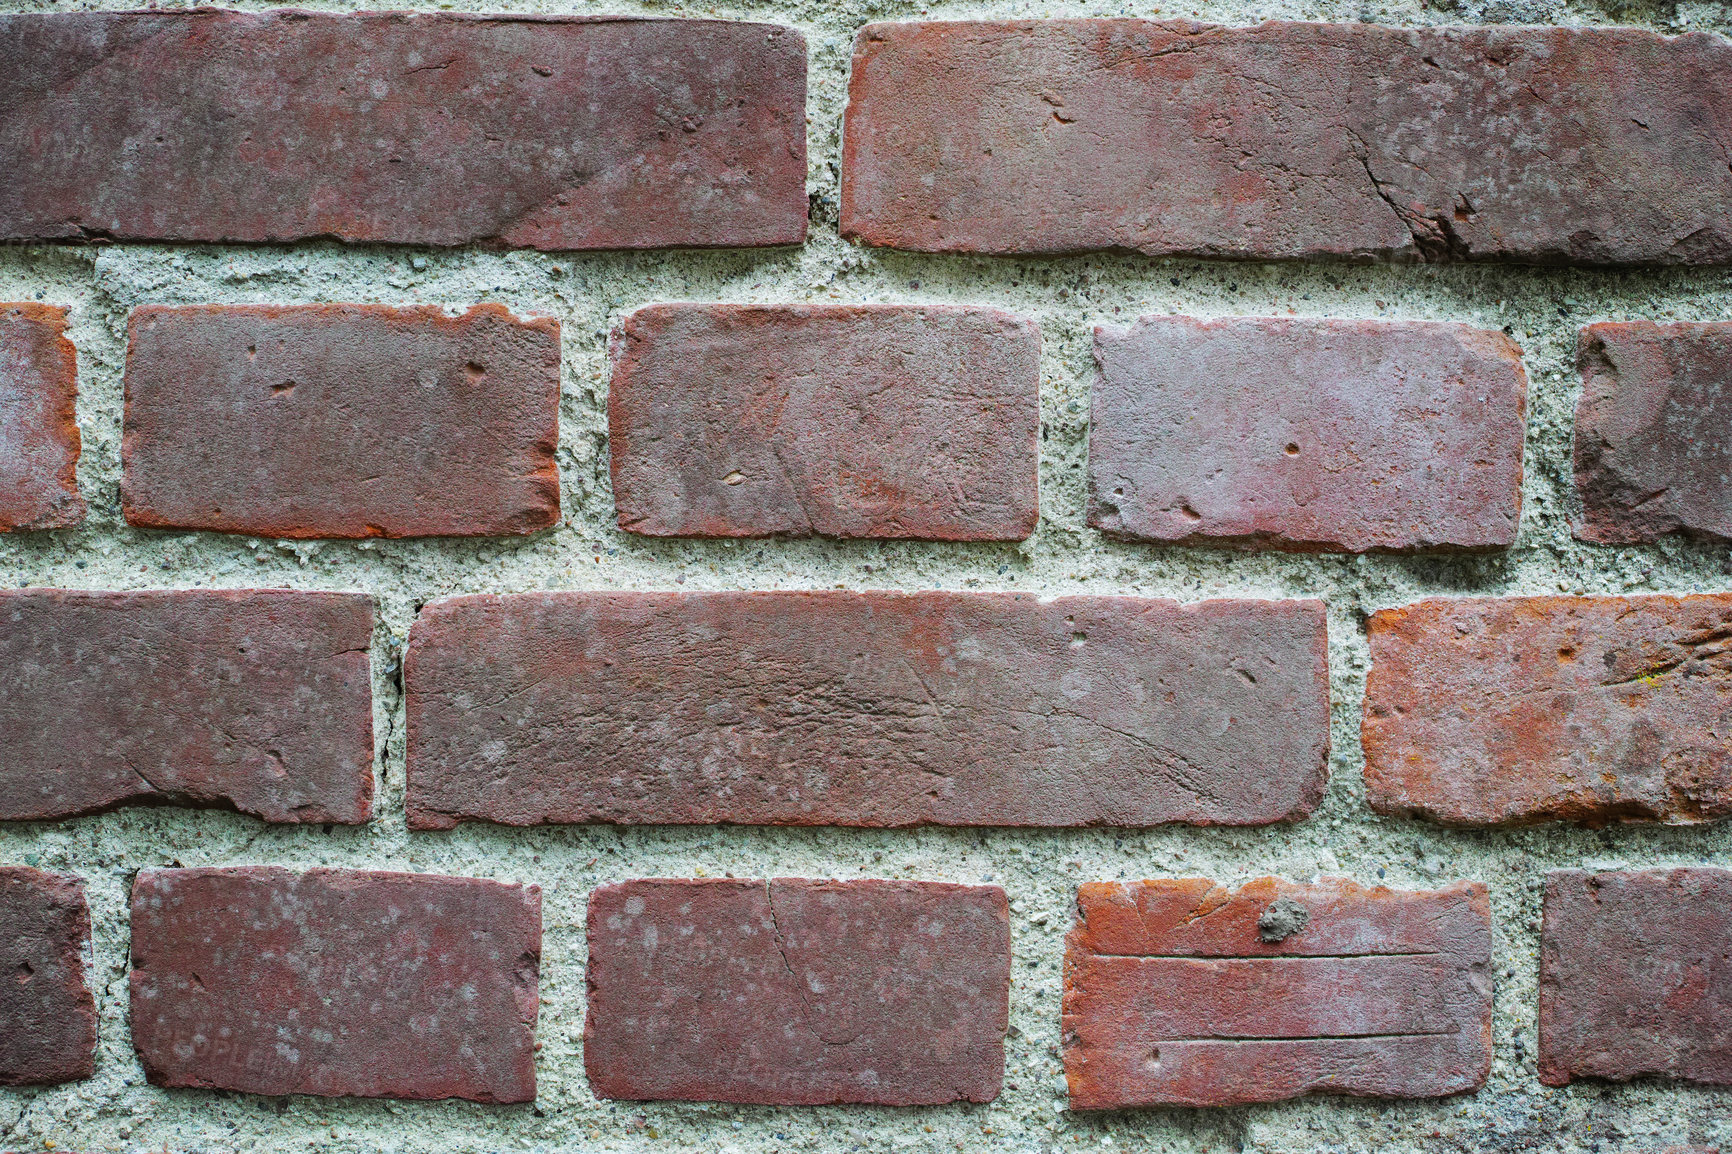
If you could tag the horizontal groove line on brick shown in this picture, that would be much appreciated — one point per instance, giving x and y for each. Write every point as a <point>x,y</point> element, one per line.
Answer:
<point>1236,1038</point>
<point>1272,957</point>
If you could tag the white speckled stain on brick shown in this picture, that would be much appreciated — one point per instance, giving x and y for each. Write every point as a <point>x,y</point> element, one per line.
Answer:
<point>1540,308</point>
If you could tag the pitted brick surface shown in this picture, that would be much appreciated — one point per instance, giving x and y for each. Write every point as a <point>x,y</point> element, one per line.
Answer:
<point>544,132</point>
<point>1181,992</point>
<point>849,421</point>
<point>47,1016</point>
<point>256,699</point>
<point>1494,710</point>
<point>336,982</point>
<point>795,992</point>
<point>1633,977</point>
<point>341,420</point>
<point>871,709</point>
<point>39,440</point>
<point>1289,140</point>
<point>1332,435</point>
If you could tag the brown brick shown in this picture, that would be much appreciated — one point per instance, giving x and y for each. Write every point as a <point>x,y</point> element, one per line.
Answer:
<point>1493,710</point>
<point>444,129</point>
<point>847,420</point>
<point>1651,450</point>
<point>341,421</point>
<point>1633,978</point>
<point>797,993</point>
<point>260,700</point>
<point>1181,992</point>
<point>39,440</point>
<point>1290,140</point>
<point>336,982</point>
<point>1307,434</point>
<point>47,1016</point>
<point>864,709</point>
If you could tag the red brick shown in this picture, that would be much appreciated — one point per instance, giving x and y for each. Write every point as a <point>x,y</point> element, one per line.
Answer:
<point>1290,140</point>
<point>259,700</point>
<point>1494,710</point>
<point>797,993</point>
<point>341,421</point>
<point>1651,455</point>
<point>47,1016</point>
<point>1307,434</point>
<point>847,420</point>
<point>1633,978</point>
<point>519,131</point>
<point>1181,992</point>
<point>865,709</point>
<point>39,440</point>
<point>336,982</point>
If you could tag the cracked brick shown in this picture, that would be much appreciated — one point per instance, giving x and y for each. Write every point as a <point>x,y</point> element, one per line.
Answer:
<point>865,709</point>
<point>1290,140</point>
<point>256,700</point>
<point>541,132</point>
<point>797,992</point>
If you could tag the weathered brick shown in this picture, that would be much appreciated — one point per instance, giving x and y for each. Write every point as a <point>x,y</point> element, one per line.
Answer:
<point>341,421</point>
<point>256,699</point>
<point>1651,454</point>
<point>795,992</point>
<point>47,1016</point>
<point>1492,710</point>
<point>336,982</point>
<point>1182,992</point>
<point>848,420</point>
<point>1290,140</point>
<point>1633,978</point>
<point>866,709</point>
<point>1307,434</point>
<point>39,440</point>
<point>445,129</point>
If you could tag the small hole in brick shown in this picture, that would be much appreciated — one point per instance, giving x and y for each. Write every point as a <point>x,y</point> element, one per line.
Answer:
<point>1078,640</point>
<point>25,972</point>
<point>1189,513</point>
<point>475,370</point>
<point>1292,450</point>
<point>284,389</point>
<point>1153,1061</point>
<point>734,478</point>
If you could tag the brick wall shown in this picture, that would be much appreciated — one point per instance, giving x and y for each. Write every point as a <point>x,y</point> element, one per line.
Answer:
<point>861,577</point>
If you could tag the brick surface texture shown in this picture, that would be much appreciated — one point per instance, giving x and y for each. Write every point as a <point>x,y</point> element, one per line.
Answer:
<point>1633,978</point>
<point>1181,992</point>
<point>1492,710</point>
<point>441,129</point>
<point>39,441</point>
<point>47,1016</point>
<point>259,700</point>
<point>850,421</point>
<point>1290,140</point>
<point>872,709</point>
<point>1651,451</point>
<point>795,992</point>
<point>336,982</point>
<point>341,421</point>
<point>1307,434</point>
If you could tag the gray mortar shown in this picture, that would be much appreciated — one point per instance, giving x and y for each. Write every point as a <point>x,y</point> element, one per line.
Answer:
<point>117,1110</point>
